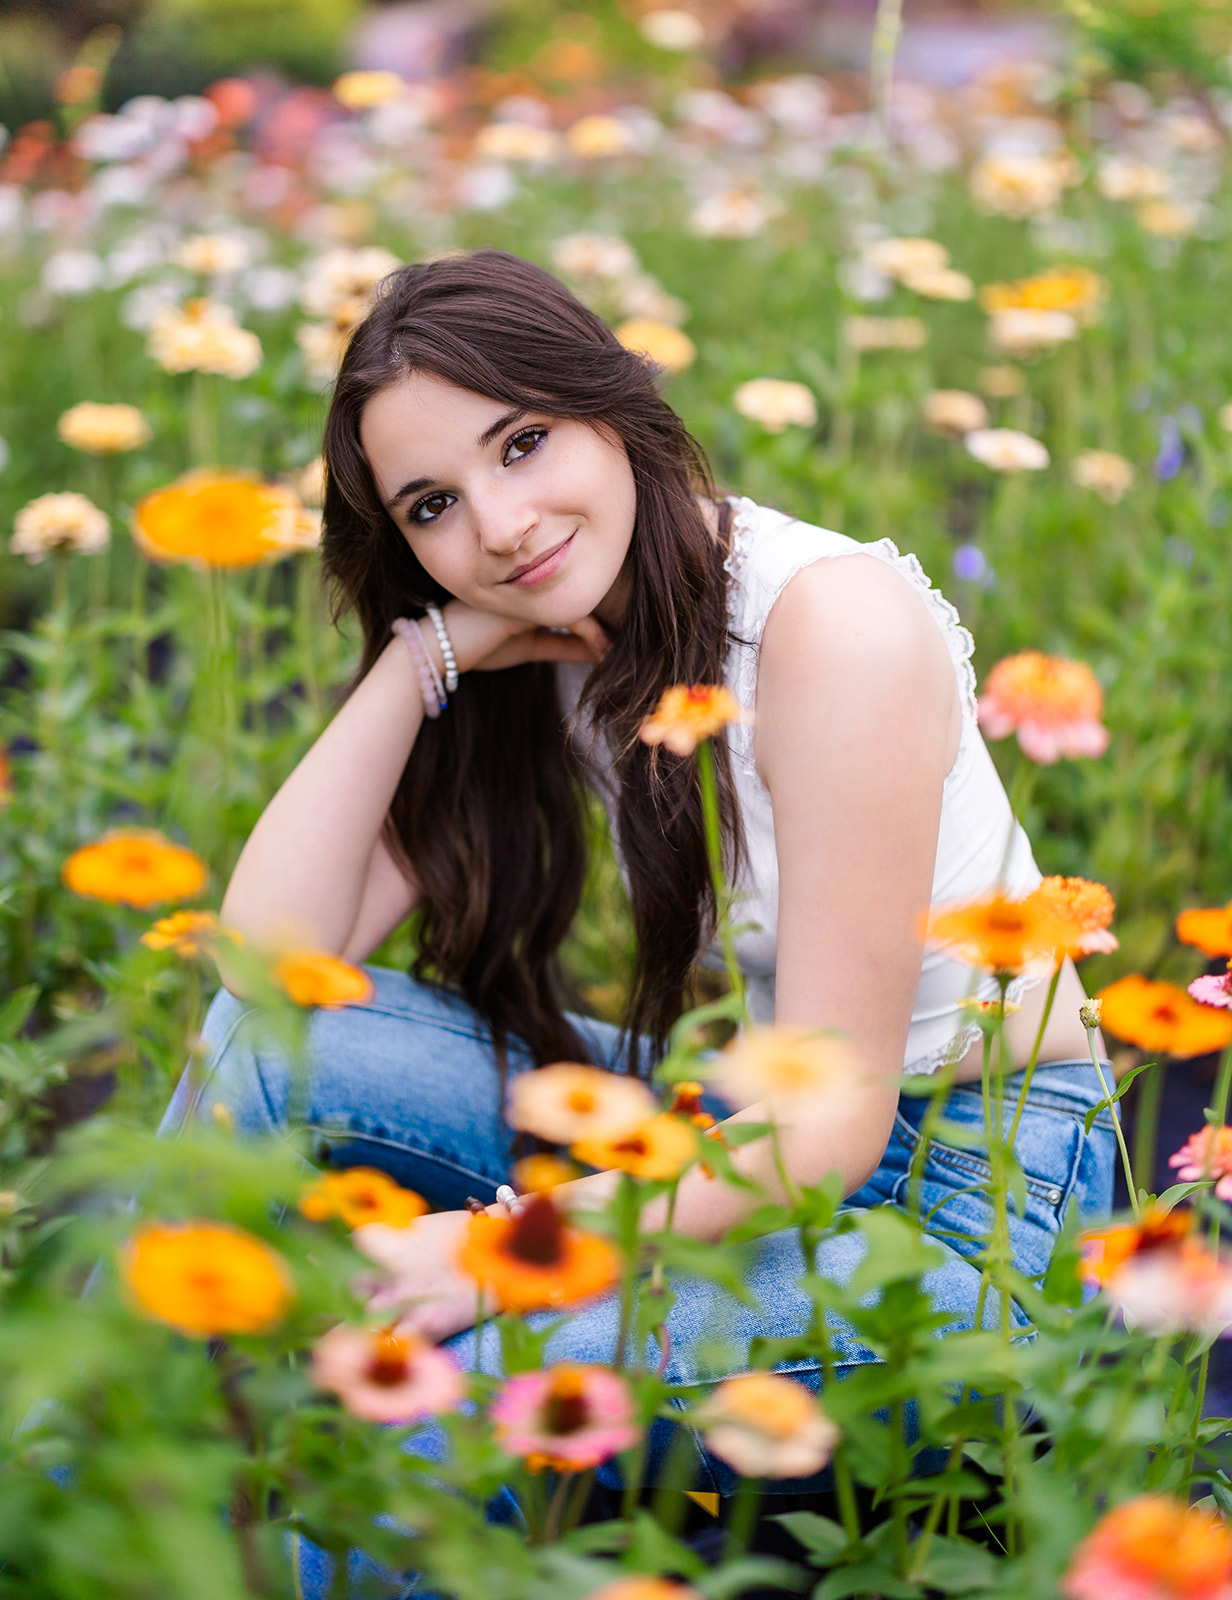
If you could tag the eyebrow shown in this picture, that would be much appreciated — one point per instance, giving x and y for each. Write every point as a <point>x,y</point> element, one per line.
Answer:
<point>483,441</point>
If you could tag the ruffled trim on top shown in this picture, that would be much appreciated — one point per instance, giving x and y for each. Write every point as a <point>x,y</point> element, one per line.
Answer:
<point>956,1047</point>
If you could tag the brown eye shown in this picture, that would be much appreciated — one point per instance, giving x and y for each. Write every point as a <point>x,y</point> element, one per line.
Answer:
<point>429,508</point>
<point>524,444</point>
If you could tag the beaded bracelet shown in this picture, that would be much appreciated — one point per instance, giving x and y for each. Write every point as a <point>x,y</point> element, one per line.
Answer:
<point>413,640</point>
<point>446,644</point>
<point>437,685</point>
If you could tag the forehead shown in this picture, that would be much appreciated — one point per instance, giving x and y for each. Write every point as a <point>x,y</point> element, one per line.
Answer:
<point>424,415</point>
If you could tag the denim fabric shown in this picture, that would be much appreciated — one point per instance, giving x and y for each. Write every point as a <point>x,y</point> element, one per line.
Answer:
<point>408,1083</point>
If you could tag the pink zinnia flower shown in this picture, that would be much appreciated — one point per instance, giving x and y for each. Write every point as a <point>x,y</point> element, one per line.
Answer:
<point>1153,1548</point>
<point>568,1417</point>
<point>1179,1288</point>
<point>1207,1154</point>
<point>767,1426</point>
<point>1214,989</point>
<point>1053,705</point>
<point>385,1375</point>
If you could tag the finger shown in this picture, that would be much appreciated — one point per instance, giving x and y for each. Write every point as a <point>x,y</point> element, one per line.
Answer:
<point>592,631</point>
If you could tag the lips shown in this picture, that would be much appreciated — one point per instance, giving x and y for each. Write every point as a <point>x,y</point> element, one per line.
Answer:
<point>542,566</point>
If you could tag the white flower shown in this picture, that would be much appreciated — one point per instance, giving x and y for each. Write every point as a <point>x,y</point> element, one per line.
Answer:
<point>202,336</point>
<point>517,141</point>
<point>341,275</point>
<point>899,257</point>
<point>212,254</point>
<point>604,256</point>
<point>739,213</point>
<point>645,298</point>
<point>1108,474</point>
<point>271,288</point>
<point>1026,330</point>
<point>671,29</point>
<point>776,403</point>
<point>72,272</point>
<point>939,283</point>
<point>1020,185</point>
<point>954,411</point>
<point>1124,178</point>
<point>59,522</point>
<point>1007,450</point>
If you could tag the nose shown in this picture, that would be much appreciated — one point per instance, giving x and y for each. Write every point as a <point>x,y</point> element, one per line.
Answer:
<point>504,521</point>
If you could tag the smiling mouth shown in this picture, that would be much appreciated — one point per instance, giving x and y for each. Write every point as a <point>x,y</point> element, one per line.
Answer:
<point>530,568</point>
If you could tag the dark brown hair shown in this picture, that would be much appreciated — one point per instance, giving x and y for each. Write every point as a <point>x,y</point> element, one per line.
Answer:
<point>488,815</point>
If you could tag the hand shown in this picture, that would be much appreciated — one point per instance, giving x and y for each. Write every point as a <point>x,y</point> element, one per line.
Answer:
<point>424,1277</point>
<point>486,642</point>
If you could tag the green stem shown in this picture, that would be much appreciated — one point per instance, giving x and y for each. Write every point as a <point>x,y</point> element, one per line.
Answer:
<point>1146,1120</point>
<point>714,851</point>
<point>1116,1123</point>
<point>744,1512</point>
<point>1031,1064</point>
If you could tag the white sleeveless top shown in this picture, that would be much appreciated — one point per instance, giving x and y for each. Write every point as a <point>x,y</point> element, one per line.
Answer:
<point>768,549</point>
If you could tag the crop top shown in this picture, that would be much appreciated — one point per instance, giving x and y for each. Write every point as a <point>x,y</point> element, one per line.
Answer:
<point>767,550</point>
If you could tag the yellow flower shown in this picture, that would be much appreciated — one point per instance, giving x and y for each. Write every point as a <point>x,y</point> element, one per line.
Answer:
<point>1169,219</point>
<point>658,342</point>
<point>316,978</point>
<point>1207,928</point>
<point>361,1195</point>
<point>954,411</point>
<point>566,1101</point>
<point>688,713</point>
<point>538,1173</point>
<point>135,867</point>
<point>1104,471</point>
<point>516,141</point>
<point>59,522</point>
<point>358,91</point>
<point>205,1278</point>
<point>776,403</point>
<point>216,519</point>
<point>659,1148</point>
<point>103,430</point>
<point>188,933</point>
<point>782,1067</point>
<point>1077,290</point>
<point>595,137</point>
<point>203,336</point>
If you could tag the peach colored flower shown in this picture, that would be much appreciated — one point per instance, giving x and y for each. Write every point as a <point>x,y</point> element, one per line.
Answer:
<point>658,343</point>
<point>212,254</point>
<point>1209,929</point>
<point>359,91</point>
<point>1162,1018</point>
<point>568,1417</point>
<point>1109,474</point>
<point>203,335</point>
<point>776,403</point>
<point>386,1375</point>
<point>939,283</point>
<point>1087,909</point>
<point>1106,1250</point>
<point>657,1149</point>
<point>102,430</point>
<point>1206,1154</point>
<point>885,333</point>
<point>567,1101</point>
<point>1182,1289</point>
<point>781,1067</point>
<point>767,1426</point>
<point>361,1195</point>
<point>1007,450</point>
<point>1053,705</point>
<point>689,713</point>
<point>67,521</point>
<point>1153,1548</point>
<point>516,141</point>
<point>954,411</point>
<point>1002,383</point>
<point>900,258</point>
<point>596,137</point>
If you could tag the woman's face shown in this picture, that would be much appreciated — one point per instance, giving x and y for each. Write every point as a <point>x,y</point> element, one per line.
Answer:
<point>515,512</point>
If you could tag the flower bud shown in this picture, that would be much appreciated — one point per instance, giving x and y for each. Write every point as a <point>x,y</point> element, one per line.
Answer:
<point>1091,1012</point>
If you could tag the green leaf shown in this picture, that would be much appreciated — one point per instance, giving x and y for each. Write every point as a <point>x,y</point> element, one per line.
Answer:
<point>16,1008</point>
<point>957,1567</point>
<point>823,1538</point>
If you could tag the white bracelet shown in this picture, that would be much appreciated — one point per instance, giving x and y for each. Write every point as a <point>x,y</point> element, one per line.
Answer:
<point>438,687</point>
<point>446,644</point>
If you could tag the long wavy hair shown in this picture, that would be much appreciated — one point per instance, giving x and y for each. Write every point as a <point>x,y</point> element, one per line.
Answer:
<point>489,814</point>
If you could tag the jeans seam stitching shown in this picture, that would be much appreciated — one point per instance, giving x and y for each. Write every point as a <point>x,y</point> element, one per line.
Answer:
<point>341,1133</point>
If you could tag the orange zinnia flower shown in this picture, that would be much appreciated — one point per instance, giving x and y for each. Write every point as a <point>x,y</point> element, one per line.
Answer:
<point>1161,1017</point>
<point>689,713</point>
<point>687,1102</point>
<point>1106,1250</point>
<point>567,1101</point>
<point>134,867</point>
<point>535,1261</point>
<point>1003,935</point>
<point>659,1148</point>
<point>641,1588</point>
<point>205,1278</point>
<point>1087,906</point>
<point>535,1174</point>
<point>1053,705</point>
<point>188,933</point>
<point>1153,1548</point>
<point>316,978</point>
<point>217,520</point>
<point>1209,930</point>
<point>361,1195</point>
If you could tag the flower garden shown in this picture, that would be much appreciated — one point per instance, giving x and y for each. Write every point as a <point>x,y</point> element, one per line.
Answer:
<point>986,324</point>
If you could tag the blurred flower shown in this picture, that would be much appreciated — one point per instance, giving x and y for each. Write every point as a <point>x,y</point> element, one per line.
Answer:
<point>767,1426</point>
<point>1225,416</point>
<point>670,29</point>
<point>1086,908</point>
<point>566,1102</point>
<point>1020,185</point>
<point>1206,1154</point>
<point>1213,989</point>
<point>1169,219</point>
<point>317,978</point>
<point>1104,471</point>
<point>595,137</point>
<point>212,254</point>
<point>303,534</point>
<point>901,258</point>
<point>385,1375</point>
<point>205,1278</point>
<point>70,273</point>
<point>782,1067</point>
<point>971,564</point>
<point>776,403</point>
<point>568,1417</point>
<point>65,521</point>
<point>188,933</point>
<point>939,283</point>
<point>360,1195</point>
<point>1152,1548</point>
<point>1002,935</point>
<point>1007,450</point>
<point>342,276</point>
<point>1106,1250</point>
<point>309,482</point>
<point>1091,1013</point>
<point>1171,455</point>
<point>1025,332</point>
<point>739,213</point>
<point>658,1148</point>
<point>102,430</point>
<point>688,713</point>
<point>1125,178</point>
<point>1053,705</point>
<point>135,867</point>
<point>538,1173</point>
<point>535,1260</point>
<point>644,297</point>
<point>658,342</point>
<point>6,778</point>
<point>988,1013</point>
<point>687,1102</point>
<point>603,256</point>
<point>1210,930</point>
<point>1002,383</point>
<point>323,344</point>
<point>1161,1278</point>
<point>218,519</point>
<point>202,336</point>
<point>516,141</point>
<point>885,333</point>
<point>1077,290</point>
<point>954,411</point>
<point>1162,1018</point>
<point>359,91</point>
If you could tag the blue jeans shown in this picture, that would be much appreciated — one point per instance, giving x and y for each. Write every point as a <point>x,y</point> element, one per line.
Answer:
<point>409,1084</point>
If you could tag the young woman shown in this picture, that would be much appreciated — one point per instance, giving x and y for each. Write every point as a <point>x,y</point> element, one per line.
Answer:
<point>493,451</point>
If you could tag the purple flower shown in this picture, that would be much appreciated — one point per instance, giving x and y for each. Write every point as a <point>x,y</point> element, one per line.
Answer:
<point>969,563</point>
<point>1171,457</point>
